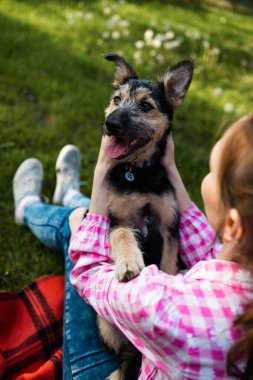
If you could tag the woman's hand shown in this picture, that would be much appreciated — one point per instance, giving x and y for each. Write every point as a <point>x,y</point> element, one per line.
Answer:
<point>168,161</point>
<point>99,198</point>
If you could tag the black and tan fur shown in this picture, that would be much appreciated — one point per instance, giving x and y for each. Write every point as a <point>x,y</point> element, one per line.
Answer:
<point>143,212</point>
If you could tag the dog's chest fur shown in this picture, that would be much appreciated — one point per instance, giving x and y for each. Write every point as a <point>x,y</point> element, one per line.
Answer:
<point>146,204</point>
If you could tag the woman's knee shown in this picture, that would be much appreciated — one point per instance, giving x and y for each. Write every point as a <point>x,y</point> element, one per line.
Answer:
<point>75,219</point>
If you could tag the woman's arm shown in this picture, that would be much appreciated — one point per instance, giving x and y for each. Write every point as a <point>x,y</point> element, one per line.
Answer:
<point>168,161</point>
<point>99,196</point>
<point>198,240</point>
<point>143,308</point>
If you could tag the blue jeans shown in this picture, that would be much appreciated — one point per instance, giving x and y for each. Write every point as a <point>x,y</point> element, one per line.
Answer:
<point>83,356</point>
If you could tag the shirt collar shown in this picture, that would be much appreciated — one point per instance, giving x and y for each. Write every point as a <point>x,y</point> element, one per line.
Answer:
<point>222,271</point>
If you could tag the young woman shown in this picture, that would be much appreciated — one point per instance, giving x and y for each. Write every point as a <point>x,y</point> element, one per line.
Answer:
<point>200,324</point>
<point>193,326</point>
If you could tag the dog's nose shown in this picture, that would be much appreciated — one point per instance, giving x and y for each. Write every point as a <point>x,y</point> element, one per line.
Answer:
<point>113,126</point>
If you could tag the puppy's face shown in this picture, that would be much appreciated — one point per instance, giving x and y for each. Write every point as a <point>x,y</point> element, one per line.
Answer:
<point>139,113</point>
<point>136,119</point>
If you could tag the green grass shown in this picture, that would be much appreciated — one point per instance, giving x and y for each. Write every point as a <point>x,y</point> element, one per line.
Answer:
<point>54,86</point>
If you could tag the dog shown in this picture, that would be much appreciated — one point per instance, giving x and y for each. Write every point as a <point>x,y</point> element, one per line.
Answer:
<point>141,199</point>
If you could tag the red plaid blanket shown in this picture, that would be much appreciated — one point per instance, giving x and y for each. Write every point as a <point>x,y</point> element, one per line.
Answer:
<point>31,331</point>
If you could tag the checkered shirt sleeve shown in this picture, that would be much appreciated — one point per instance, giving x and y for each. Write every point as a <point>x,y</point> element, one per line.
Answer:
<point>143,308</point>
<point>198,240</point>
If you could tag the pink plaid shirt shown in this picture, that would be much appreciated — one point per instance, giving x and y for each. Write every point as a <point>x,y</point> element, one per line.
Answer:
<point>182,324</point>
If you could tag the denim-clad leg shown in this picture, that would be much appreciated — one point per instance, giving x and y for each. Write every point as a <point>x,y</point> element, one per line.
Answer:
<point>83,356</point>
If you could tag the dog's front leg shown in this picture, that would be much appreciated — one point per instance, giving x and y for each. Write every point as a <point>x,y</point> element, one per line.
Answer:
<point>126,253</point>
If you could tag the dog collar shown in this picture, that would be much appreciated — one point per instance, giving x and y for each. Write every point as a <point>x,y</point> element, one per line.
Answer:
<point>129,175</point>
<point>141,164</point>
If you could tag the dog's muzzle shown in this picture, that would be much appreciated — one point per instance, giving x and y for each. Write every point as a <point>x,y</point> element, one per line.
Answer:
<point>116,123</point>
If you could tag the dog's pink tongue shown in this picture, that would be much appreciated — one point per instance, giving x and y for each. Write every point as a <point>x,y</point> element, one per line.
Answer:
<point>114,149</point>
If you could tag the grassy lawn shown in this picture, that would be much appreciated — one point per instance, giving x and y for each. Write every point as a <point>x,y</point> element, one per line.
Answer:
<point>54,86</point>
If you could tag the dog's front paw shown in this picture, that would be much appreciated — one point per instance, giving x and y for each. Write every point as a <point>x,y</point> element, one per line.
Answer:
<point>129,267</point>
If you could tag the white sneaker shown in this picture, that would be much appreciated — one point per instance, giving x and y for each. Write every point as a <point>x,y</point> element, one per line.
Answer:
<point>26,184</point>
<point>67,168</point>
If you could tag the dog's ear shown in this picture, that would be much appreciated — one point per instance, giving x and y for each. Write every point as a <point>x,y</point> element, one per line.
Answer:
<point>177,81</point>
<point>123,72</point>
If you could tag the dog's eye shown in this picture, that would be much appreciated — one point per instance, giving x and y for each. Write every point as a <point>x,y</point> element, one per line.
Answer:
<point>117,100</point>
<point>145,106</point>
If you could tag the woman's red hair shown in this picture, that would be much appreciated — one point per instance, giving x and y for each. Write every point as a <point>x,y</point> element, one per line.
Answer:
<point>235,178</point>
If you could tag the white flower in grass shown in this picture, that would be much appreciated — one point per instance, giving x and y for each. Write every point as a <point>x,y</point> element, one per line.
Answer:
<point>178,41</point>
<point>206,373</point>
<point>105,35</point>
<point>115,35</point>
<point>160,36</point>
<point>137,57</point>
<point>193,34</point>
<point>188,33</point>
<point>115,6</point>
<point>107,10</point>
<point>113,21</point>
<point>156,43</point>
<point>79,14</point>
<point>173,44</point>
<point>221,336</point>
<point>139,44</point>
<point>181,27</point>
<point>126,32</point>
<point>70,18</point>
<point>166,26</point>
<point>167,45</point>
<point>160,58</point>
<point>169,35</point>
<point>223,20</point>
<point>89,16</point>
<point>215,51</point>
<point>153,23</point>
<point>115,18</point>
<point>148,35</point>
<point>124,23</point>
<point>217,91</point>
<point>206,44</point>
<point>228,107</point>
<point>152,53</point>
<point>196,35</point>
